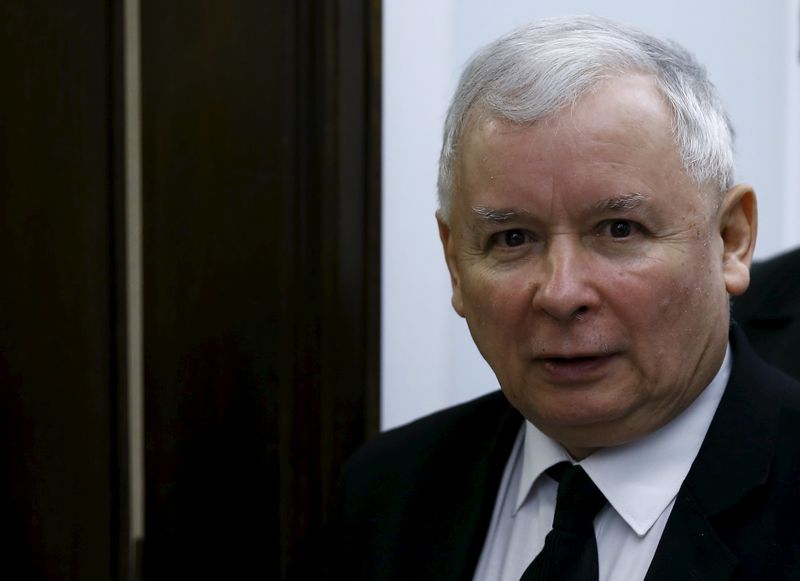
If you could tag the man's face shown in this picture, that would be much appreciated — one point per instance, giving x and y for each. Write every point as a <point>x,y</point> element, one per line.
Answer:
<point>592,272</point>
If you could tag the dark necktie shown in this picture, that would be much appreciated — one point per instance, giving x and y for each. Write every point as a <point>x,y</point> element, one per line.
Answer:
<point>570,549</point>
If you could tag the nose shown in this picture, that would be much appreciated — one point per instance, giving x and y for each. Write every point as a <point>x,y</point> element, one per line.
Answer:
<point>565,288</point>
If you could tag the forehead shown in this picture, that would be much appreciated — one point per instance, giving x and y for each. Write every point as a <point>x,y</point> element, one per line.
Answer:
<point>616,138</point>
<point>630,108</point>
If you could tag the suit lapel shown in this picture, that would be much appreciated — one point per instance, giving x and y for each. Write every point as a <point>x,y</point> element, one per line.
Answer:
<point>690,548</point>
<point>734,459</point>
<point>475,494</point>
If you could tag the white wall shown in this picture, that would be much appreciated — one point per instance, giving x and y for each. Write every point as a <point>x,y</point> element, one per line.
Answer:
<point>751,51</point>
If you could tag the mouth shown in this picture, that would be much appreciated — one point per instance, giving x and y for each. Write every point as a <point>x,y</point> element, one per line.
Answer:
<point>577,368</point>
<point>571,358</point>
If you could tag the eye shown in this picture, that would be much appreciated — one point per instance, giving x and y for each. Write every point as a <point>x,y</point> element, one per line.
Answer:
<point>512,238</point>
<point>510,244</point>
<point>619,228</point>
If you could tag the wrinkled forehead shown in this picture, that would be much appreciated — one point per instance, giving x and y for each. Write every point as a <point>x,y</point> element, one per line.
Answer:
<point>629,113</point>
<point>638,94</point>
<point>616,141</point>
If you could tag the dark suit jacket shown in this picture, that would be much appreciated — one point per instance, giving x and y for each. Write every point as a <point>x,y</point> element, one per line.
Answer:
<point>769,312</point>
<point>415,503</point>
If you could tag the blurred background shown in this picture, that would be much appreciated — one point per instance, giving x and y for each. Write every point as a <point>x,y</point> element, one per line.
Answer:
<point>189,230</point>
<point>222,271</point>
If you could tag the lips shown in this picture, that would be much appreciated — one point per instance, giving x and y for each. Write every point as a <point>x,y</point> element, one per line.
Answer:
<point>571,358</point>
<point>575,368</point>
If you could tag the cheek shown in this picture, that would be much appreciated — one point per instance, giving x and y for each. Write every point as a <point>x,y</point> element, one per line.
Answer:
<point>496,306</point>
<point>650,295</point>
<point>490,294</point>
<point>672,301</point>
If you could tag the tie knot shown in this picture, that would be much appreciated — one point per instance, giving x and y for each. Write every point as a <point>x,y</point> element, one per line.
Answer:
<point>578,500</point>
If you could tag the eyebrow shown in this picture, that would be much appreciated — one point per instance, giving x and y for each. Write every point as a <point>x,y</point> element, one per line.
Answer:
<point>497,216</point>
<point>624,202</point>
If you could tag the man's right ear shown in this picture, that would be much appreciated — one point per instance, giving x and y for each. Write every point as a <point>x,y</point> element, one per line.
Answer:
<point>448,245</point>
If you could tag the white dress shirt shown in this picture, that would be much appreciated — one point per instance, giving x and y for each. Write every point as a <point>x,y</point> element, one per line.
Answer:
<point>640,480</point>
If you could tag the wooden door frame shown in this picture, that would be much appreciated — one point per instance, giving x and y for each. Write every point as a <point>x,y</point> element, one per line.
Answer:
<point>304,381</point>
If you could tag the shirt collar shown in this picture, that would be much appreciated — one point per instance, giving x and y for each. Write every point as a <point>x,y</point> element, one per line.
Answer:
<point>641,478</point>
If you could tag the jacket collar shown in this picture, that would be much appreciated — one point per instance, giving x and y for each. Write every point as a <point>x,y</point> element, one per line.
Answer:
<point>734,459</point>
<point>478,490</point>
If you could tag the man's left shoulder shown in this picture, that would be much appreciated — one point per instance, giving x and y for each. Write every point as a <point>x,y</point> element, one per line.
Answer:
<point>420,491</point>
<point>423,443</point>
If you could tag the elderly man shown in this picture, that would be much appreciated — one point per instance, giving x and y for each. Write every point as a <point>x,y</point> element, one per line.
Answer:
<point>594,236</point>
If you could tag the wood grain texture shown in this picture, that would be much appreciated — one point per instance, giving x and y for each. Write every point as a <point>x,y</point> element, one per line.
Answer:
<point>261,249</point>
<point>61,462</point>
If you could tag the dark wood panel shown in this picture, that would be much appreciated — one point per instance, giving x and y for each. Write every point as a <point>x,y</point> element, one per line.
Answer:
<point>261,207</point>
<point>60,202</point>
<point>332,405</point>
<point>213,163</point>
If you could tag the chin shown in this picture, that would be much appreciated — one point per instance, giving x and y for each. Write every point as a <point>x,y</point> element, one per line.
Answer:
<point>586,428</point>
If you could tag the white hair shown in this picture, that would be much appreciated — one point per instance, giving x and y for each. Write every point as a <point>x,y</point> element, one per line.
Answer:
<point>538,69</point>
